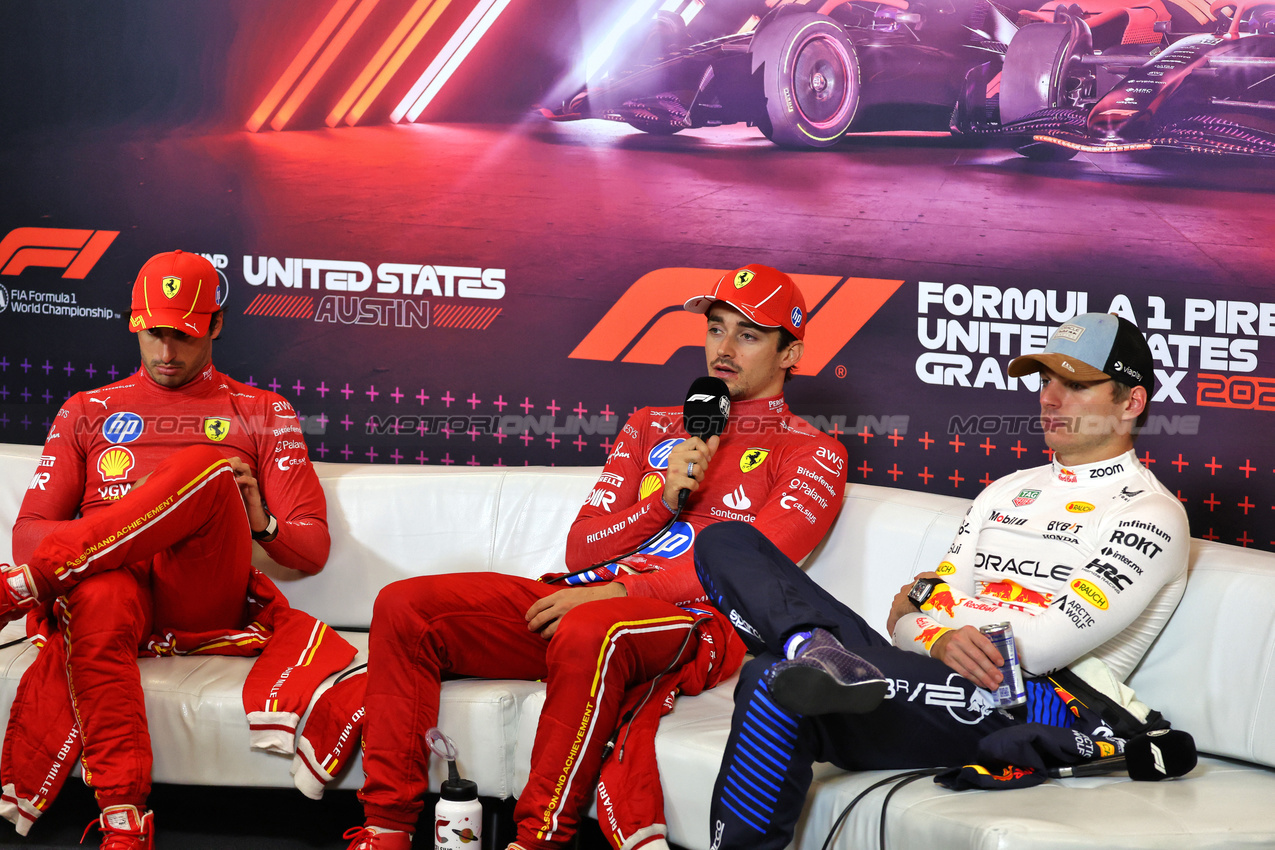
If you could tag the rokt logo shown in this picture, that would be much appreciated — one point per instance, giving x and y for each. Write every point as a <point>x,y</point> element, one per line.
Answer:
<point>77,251</point>
<point>648,325</point>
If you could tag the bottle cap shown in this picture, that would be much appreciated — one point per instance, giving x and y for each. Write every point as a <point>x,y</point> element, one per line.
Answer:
<point>459,790</point>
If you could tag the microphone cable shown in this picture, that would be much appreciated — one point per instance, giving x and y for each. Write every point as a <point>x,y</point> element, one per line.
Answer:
<point>647,542</point>
<point>900,780</point>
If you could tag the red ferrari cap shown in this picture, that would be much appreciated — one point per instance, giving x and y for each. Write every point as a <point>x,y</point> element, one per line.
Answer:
<point>766,296</point>
<point>175,290</point>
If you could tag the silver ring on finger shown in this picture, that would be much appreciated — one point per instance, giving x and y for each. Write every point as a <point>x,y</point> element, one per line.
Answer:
<point>690,469</point>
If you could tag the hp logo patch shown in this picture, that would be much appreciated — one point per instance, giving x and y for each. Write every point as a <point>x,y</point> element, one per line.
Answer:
<point>676,541</point>
<point>796,317</point>
<point>658,457</point>
<point>122,427</point>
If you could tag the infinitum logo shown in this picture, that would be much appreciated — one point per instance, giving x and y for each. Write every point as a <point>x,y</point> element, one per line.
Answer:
<point>647,323</point>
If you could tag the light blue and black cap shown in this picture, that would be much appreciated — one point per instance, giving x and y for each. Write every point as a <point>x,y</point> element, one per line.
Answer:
<point>1094,347</point>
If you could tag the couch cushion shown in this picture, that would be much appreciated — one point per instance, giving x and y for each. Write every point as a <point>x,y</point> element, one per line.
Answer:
<point>194,708</point>
<point>395,522</point>
<point>1212,669</point>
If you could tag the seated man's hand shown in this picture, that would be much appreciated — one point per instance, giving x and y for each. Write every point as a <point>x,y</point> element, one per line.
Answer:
<point>690,451</point>
<point>544,614</point>
<point>970,653</point>
<point>902,606</point>
<point>247,482</point>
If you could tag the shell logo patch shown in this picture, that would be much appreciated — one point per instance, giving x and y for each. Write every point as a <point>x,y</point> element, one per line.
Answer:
<point>1089,592</point>
<point>946,568</point>
<point>171,286</point>
<point>115,463</point>
<point>1079,507</point>
<point>752,459</point>
<point>743,277</point>
<point>216,428</point>
<point>651,482</point>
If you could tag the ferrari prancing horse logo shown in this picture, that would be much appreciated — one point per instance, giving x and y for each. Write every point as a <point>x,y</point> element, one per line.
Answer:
<point>743,277</point>
<point>172,285</point>
<point>216,428</point>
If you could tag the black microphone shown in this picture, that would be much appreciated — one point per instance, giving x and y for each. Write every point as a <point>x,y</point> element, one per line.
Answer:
<point>1161,754</point>
<point>704,414</point>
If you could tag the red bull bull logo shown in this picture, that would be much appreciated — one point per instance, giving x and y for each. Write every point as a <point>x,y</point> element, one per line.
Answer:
<point>941,600</point>
<point>927,637</point>
<point>1014,594</point>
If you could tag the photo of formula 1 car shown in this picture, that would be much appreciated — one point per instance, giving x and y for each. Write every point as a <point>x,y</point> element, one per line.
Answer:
<point>803,77</point>
<point>1067,86</point>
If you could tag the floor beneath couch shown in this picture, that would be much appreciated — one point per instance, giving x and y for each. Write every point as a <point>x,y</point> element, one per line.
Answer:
<point>200,818</point>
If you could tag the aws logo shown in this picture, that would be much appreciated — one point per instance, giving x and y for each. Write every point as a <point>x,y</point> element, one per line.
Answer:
<point>77,251</point>
<point>648,325</point>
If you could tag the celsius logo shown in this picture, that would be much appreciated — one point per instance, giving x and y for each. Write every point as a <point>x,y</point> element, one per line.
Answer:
<point>648,325</point>
<point>122,427</point>
<point>77,251</point>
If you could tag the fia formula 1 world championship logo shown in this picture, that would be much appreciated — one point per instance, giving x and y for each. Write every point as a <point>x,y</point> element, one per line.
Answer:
<point>648,325</point>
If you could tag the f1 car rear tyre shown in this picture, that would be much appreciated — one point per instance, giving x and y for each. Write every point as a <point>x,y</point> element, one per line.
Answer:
<point>1037,75</point>
<point>810,80</point>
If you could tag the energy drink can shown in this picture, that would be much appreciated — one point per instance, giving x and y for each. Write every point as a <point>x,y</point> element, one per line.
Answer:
<point>1011,692</point>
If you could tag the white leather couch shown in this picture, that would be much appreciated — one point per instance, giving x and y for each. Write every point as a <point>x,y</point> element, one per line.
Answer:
<point>1212,671</point>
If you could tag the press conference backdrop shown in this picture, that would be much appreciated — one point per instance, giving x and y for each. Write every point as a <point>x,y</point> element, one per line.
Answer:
<point>418,307</point>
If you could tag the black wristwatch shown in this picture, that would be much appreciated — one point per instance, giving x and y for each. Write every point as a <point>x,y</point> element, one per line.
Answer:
<point>270,532</point>
<point>922,590</point>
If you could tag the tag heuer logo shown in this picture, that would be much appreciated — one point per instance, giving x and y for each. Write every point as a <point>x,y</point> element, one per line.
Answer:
<point>742,278</point>
<point>172,285</point>
<point>1026,497</point>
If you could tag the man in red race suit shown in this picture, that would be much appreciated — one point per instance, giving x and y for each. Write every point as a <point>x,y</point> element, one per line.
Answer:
<point>641,617</point>
<point>173,472</point>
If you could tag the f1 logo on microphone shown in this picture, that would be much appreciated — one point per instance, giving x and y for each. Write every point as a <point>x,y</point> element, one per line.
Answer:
<point>648,325</point>
<point>77,251</point>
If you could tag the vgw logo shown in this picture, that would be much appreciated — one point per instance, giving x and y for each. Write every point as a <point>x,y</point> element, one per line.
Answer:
<point>77,251</point>
<point>648,325</point>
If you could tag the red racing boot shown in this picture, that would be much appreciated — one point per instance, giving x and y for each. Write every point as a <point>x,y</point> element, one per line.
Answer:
<point>17,592</point>
<point>363,838</point>
<point>125,828</point>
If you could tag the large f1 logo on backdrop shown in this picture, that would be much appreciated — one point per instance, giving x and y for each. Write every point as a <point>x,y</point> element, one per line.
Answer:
<point>77,251</point>
<point>648,325</point>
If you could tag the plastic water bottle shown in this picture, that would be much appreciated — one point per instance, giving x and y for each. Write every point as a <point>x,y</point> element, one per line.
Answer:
<point>458,817</point>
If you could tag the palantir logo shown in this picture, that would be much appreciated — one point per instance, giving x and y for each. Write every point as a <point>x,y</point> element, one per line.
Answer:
<point>77,251</point>
<point>648,325</point>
